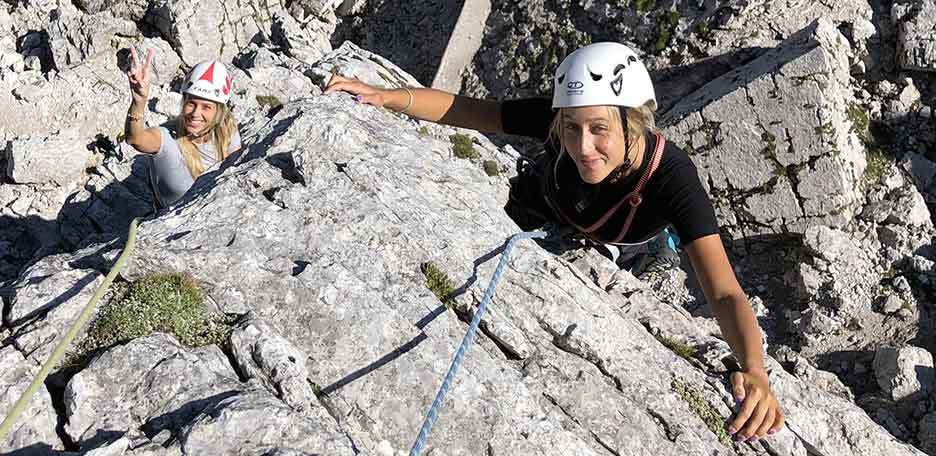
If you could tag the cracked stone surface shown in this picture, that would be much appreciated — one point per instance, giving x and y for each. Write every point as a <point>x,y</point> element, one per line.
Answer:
<point>36,428</point>
<point>523,44</point>
<point>782,116</point>
<point>916,23</point>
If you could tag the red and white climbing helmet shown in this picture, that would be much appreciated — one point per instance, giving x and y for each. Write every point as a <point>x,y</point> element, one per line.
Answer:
<point>209,80</point>
<point>602,74</point>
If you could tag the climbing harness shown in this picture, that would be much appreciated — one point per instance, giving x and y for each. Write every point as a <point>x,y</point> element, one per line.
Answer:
<point>69,336</point>
<point>433,413</point>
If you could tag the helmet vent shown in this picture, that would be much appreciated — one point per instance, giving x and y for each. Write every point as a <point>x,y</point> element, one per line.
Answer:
<point>561,78</point>
<point>618,68</point>
<point>595,77</point>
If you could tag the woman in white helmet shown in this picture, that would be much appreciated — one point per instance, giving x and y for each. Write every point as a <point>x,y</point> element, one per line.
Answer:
<point>610,174</point>
<point>205,132</point>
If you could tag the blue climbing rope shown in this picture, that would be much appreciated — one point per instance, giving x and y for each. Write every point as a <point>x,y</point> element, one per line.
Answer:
<point>433,413</point>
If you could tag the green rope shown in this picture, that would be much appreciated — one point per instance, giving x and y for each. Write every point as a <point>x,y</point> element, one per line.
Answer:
<point>69,336</point>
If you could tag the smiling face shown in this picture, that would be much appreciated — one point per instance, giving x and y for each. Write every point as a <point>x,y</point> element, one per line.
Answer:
<point>198,114</point>
<point>594,139</point>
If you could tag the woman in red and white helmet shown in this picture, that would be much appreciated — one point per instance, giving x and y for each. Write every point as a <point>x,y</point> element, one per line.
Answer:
<point>611,176</point>
<point>205,132</point>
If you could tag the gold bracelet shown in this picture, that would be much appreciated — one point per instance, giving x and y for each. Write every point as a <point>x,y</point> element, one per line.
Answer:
<point>410,102</point>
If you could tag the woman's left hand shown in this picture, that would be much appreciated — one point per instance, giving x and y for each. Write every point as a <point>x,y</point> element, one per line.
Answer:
<point>760,413</point>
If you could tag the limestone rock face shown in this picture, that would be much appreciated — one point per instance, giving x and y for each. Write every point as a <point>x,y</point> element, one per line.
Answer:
<point>36,427</point>
<point>58,160</point>
<point>916,23</point>
<point>212,29</point>
<point>76,38</point>
<point>524,43</point>
<point>163,386</point>
<point>782,117</point>
<point>904,372</point>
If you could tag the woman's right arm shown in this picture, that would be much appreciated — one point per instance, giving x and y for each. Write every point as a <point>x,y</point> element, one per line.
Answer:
<point>145,140</point>
<point>427,104</point>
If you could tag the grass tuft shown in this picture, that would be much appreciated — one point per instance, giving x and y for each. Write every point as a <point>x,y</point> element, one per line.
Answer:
<point>705,411</point>
<point>683,350</point>
<point>171,303</point>
<point>491,168</point>
<point>439,284</point>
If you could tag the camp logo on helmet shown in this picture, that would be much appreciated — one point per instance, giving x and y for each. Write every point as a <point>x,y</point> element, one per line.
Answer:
<point>575,84</point>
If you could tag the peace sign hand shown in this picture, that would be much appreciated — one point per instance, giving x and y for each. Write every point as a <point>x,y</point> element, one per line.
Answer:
<point>139,76</point>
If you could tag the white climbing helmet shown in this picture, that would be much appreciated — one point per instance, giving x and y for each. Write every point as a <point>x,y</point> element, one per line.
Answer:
<point>209,80</point>
<point>602,74</point>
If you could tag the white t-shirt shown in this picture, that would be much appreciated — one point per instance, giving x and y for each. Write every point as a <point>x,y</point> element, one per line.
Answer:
<point>169,175</point>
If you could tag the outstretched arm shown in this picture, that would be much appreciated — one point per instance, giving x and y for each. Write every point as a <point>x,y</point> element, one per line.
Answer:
<point>146,140</point>
<point>426,104</point>
<point>760,412</point>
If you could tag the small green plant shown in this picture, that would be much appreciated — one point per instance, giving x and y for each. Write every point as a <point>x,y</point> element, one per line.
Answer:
<point>643,6</point>
<point>666,26</point>
<point>423,130</point>
<point>439,283</point>
<point>171,303</point>
<point>878,165</point>
<point>463,147</point>
<point>825,129</point>
<point>705,411</point>
<point>268,101</point>
<point>684,351</point>
<point>704,30</point>
<point>573,38</point>
<point>491,168</point>
<point>859,120</point>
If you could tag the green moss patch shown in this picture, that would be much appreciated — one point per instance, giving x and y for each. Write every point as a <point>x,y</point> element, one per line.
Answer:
<point>666,26</point>
<point>643,6</point>
<point>705,411</point>
<point>491,168</point>
<point>170,303</point>
<point>439,283</point>
<point>463,147</point>
<point>682,350</point>
<point>268,101</point>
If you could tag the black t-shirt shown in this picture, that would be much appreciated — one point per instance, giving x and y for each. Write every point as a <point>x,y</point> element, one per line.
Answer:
<point>673,195</point>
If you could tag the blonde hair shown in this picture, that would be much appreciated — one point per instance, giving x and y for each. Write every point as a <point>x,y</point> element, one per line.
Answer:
<point>639,120</point>
<point>221,129</point>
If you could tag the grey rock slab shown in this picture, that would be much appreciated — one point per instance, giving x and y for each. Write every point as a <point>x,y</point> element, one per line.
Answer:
<point>351,61</point>
<point>91,98</point>
<point>253,421</point>
<point>916,23</point>
<point>36,426</point>
<point>59,159</point>
<point>47,297</point>
<point>307,44</point>
<point>212,29</point>
<point>335,278</point>
<point>909,208</point>
<point>76,38</point>
<point>904,372</point>
<point>262,353</point>
<point>152,383</point>
<point>781,116</point>
<point>927,433</point>
<point>921,169</point>
<point>166,63</point>
<point>842,428</point>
